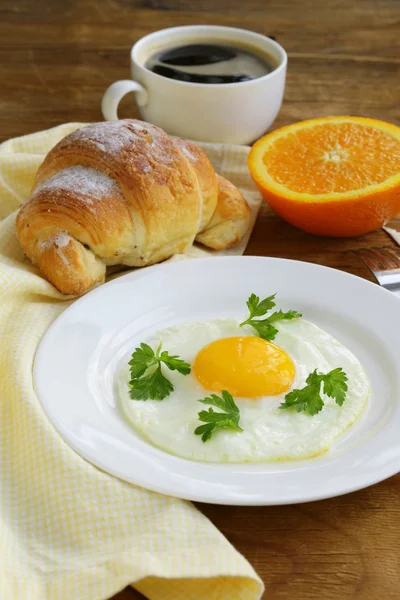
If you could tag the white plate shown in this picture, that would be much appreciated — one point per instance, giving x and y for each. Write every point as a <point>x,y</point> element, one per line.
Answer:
<point>79,354</point>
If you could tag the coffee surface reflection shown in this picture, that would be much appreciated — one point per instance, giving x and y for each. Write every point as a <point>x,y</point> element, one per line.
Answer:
<point>209,63</point>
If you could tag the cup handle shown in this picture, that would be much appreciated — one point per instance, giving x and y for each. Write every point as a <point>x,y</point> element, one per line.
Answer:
<point>114,94</point>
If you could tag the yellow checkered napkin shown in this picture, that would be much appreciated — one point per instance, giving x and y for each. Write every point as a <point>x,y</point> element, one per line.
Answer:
<point>68,531</point>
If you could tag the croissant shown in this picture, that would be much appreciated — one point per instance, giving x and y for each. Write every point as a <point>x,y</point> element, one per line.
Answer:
<point>124,193</point>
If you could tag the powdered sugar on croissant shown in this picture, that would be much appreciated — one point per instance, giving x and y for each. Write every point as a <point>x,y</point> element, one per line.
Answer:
<point>123,192</point>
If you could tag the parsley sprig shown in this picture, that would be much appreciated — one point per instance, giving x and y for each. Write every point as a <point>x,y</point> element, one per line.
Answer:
<point>229,419</point>
<point>265,327</point>
<point>309,400</point>
<point>147,380</point>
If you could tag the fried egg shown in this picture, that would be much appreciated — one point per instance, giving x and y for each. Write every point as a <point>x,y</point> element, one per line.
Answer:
<point>258,374</point>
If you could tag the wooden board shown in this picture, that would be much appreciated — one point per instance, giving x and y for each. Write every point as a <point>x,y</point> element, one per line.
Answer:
<point>57,58</point>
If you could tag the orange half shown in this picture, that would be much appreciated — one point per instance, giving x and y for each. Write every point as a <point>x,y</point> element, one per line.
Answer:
<point>335,176</point>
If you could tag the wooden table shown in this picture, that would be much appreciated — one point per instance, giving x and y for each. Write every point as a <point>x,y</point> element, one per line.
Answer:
<point>57,58</point>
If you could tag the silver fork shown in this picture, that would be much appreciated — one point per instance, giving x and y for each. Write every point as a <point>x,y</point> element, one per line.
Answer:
<point>384,264</point>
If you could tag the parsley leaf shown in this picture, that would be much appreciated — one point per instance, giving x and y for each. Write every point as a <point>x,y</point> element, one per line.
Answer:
<point>153,386</point>
<point>265,327</point>
<point>257,308</point>
<point>147,380</point>
<point>336,385</point>
<point>141,360</point>
<point>308,399</point>
<point>229,419</point>
<point>174,363</point>
<point>279,315</point>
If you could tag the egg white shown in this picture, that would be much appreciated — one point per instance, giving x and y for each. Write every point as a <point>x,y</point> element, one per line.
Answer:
<point>269,433</point>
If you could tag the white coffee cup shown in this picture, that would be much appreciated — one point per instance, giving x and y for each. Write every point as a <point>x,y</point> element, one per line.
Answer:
<point>234,113</point>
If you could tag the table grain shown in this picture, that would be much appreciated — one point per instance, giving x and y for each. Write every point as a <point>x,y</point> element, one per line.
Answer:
<point>57,58</point>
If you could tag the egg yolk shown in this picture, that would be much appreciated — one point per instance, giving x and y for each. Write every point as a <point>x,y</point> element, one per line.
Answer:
<point>245,366</point>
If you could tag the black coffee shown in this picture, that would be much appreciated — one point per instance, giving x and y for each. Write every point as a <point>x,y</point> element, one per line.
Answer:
<point>208,63</point>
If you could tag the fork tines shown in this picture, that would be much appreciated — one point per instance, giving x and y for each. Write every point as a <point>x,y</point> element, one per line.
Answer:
<point>380,259</point>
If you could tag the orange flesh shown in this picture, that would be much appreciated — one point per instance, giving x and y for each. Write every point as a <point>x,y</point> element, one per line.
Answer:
<point>333,158</point>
